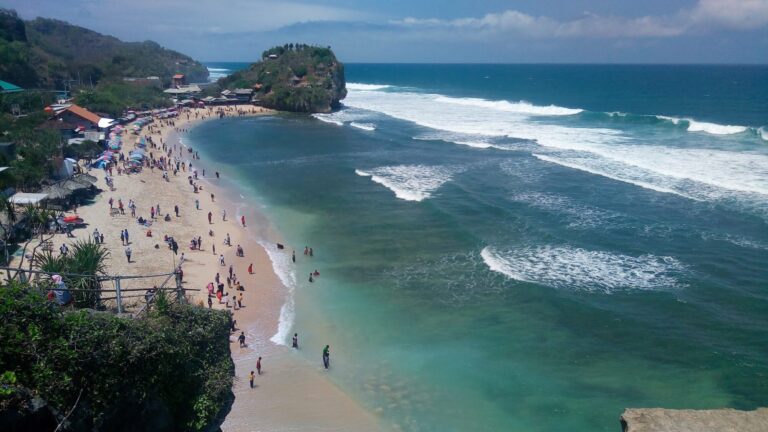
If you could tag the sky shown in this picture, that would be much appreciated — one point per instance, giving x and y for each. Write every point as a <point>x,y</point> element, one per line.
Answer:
<point>435,31</point>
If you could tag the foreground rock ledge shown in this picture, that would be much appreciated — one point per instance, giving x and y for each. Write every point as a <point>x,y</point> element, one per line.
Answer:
<point>719,420</point>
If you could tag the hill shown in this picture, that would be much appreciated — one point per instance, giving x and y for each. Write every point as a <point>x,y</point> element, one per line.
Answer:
<point>44,53</point>
<point>293,77</point>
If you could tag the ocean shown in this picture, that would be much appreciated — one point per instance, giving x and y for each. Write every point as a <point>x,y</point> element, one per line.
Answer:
<point>521,247</point>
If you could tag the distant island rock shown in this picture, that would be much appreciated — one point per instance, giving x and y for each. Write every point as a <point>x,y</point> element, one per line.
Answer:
<point>292,77</point>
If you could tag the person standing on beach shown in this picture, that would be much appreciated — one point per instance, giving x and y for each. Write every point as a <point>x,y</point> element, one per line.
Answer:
<point>240,301</point>
<point>210,216</point>
<point>197,204</point>
<point>295,341</point>
<point>311,252</point>
<point>241,338</point>
<point>224,215</point>
<point>127,242</point>
<point>128,253</point>
<point>327,356</point>
<point>258,366</point>
<point>221,260</point>
<point>176,209</point>
<point>251,376</point>
<point>217,174</point>
<point>293,256</point>
<point>242,220</point>
<point>250,268</point>
<point>213,198</point>
<point>122,237</point>
<point>210,302</point>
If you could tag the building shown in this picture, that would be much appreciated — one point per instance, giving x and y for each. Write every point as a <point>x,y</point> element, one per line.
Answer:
<point>178,80</point>
<point>77,115</point>
<point>183,91</point>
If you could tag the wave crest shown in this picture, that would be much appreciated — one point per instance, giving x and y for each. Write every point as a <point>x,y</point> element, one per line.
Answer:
<point>410,182</point>
<point>566,267</point>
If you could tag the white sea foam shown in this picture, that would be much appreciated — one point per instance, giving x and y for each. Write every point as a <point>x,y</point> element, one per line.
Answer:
<point>283,268</point>
<point>579,216</point>
<point>566,267</point>
<point>215,73</point>
<point>620,174</point>
<point>411,182</point>
<point>459,116</point>
<point>521,107</point>
<point>364,126</point>
<point>662,166</point>
<point>696,173</point>
<point>713,128</point>
<point>328,118</point>
<point>699,126</point>
<point>763,132</point>
<point>366,87</point>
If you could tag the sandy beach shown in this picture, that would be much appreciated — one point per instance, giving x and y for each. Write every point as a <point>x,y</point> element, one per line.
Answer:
<point>290,394</point>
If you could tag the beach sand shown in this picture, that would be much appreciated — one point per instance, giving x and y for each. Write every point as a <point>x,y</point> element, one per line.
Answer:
<point>290,394</point>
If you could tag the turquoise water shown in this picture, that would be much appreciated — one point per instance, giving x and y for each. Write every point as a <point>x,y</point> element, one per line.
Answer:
<point>532,251</point>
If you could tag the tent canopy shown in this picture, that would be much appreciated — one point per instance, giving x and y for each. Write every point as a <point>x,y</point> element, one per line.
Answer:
<point>25,198</point>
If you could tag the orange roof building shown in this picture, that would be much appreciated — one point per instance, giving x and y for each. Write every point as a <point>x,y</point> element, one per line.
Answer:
<point>77,115</point>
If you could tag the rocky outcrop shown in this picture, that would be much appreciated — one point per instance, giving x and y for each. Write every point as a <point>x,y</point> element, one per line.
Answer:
<point>293,77</point>
<point>718,420</point>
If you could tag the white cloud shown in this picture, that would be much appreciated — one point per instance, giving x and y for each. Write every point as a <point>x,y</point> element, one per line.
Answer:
<point>734,14</point>
<point>737,14</point>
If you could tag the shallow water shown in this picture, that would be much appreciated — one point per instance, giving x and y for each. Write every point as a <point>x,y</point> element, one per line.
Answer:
<point>492,264</point>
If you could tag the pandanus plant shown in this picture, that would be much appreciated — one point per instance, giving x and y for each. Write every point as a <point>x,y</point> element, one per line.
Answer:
<point>80,269</point>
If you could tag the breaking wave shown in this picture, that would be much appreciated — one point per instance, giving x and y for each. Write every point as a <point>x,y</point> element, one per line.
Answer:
<point>565,267</point>
<point>281,264</point>
<point>411,182</point>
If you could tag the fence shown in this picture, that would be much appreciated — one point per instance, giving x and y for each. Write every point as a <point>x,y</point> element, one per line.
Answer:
<point>139,286</point>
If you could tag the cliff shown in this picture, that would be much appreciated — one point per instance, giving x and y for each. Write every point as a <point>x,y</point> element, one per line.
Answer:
<point>44,53</point>
<point>293,77</point>
<point>719,420</point>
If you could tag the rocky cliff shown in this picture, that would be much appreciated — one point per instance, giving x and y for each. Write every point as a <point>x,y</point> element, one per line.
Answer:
<point>293,77</point>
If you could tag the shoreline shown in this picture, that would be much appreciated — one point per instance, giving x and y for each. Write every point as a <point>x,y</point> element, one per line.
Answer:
<point>290,393</point>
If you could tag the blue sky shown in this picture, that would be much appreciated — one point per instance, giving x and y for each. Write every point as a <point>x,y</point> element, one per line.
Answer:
<point>497,31</point>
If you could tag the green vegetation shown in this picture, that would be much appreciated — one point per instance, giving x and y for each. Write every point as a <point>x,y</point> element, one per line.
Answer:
<point>114,97</point>
<point>168,371</point>
<point>45,53</point>
<point>292,77</point>
<point>86,261</point>
<point>35,147</point>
